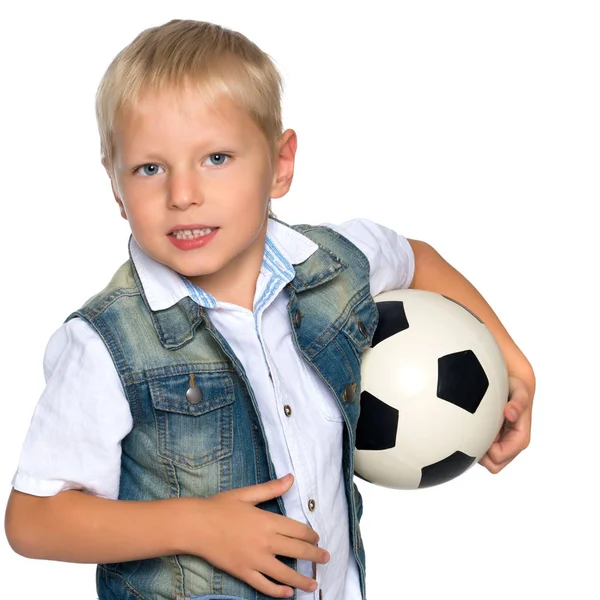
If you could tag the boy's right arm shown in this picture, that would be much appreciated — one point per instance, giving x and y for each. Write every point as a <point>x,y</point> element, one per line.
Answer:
<point>73,526</point>
<point>227,530</point>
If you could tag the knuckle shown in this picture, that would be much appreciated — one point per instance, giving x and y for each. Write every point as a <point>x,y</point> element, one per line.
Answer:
<point>494,456</point>
<point>492,466</point>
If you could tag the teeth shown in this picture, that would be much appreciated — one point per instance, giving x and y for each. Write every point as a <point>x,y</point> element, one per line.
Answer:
<point>190,234</point>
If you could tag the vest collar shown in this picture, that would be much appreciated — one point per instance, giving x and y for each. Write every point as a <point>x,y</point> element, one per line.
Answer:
<point>176,325</point>
<point>320,267</point>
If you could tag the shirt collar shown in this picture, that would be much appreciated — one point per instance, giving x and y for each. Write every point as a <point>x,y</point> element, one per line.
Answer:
<point>164,287</point>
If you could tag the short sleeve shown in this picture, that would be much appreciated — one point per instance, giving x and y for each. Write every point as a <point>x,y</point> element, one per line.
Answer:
<point>74,438</point>
<point>391,258</point>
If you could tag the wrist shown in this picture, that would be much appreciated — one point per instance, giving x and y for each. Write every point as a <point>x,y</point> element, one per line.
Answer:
<point>179,530</point>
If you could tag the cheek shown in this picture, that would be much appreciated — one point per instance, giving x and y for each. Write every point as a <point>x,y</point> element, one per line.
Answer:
<point>250,191</point>
<point>141,200</point>
<point>140,216</point>
<point>252,180</point>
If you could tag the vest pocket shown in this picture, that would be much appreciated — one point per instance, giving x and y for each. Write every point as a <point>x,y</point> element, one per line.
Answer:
<point>194,417</point>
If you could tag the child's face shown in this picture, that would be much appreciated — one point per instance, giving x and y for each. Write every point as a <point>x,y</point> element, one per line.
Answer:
<point>194,182</point>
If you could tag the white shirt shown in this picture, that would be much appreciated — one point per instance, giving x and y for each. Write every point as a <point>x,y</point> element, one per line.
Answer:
<point>74,440</point>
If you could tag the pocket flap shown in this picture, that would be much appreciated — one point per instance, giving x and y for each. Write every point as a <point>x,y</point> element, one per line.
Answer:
<point>212,390</point>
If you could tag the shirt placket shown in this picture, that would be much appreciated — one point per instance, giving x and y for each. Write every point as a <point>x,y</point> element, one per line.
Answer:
<point>305,480</point>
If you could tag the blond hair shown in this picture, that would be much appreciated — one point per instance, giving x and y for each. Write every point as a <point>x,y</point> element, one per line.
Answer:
<point>217,60</point>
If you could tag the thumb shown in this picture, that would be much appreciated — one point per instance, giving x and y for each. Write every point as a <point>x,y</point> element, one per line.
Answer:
<point>255,494</point>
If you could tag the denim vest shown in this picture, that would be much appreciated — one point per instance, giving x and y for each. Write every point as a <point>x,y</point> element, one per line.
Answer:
<point>215,441</point>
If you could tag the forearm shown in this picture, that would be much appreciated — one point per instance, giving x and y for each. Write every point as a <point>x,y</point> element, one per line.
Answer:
<point>435,274</point>
<point>77,527</point>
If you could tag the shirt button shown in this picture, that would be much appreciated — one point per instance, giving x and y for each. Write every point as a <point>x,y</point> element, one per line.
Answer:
<point>287,409</point>
<point>311,505</point>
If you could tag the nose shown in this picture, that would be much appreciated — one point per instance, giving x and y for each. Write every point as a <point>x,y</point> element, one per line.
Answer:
<point>184,190</point>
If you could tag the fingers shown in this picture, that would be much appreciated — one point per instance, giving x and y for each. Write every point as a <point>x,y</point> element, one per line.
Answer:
<point>492,466</point>
<point>515,407</point>
<point>519,400</point>
<point>255,494</point>
<point>292,547</point>
<point>512,440</point>
<point>283,574</point>
<point>515,434</point>
<point>294,529</point>
<point>274,577</point>
<point>273,590</point>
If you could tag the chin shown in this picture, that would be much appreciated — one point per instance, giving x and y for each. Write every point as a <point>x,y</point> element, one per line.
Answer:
<point>194,272</point>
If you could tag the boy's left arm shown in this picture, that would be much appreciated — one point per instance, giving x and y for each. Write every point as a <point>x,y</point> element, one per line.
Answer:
<point>433,273</point>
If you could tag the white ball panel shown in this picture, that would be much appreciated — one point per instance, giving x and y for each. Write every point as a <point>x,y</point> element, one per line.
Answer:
<point>388,469</point>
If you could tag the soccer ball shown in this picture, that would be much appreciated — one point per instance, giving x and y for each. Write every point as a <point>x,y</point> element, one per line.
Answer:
<point>434,388</point>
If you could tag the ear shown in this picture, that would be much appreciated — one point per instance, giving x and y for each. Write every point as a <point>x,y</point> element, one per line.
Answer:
<point>113,185</point>
<point>284,163</point>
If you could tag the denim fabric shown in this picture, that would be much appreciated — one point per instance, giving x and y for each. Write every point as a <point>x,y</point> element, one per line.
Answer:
<point>180,449</point>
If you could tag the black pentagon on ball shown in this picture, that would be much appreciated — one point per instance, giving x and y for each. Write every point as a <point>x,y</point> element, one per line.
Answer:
<point>462,380</point>
<point>392,320</point>
<point>377,424</point>
<point>444,470</point>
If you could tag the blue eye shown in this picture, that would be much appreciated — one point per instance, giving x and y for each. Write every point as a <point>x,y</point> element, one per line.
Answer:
<point>148,170</point>
<point>218,159</point>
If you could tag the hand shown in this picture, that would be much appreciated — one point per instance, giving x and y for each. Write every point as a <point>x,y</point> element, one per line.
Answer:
<point>243,540</point>
<point>516,431</point>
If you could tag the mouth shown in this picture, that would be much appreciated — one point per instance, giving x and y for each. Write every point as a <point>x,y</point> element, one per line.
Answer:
<point>192,233</point>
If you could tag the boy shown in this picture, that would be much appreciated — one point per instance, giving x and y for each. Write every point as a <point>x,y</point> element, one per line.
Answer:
<point>222,356</point>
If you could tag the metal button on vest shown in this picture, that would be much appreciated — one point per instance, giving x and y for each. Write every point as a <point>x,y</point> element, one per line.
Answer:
<point>297,318</point>
<point>311,505</point>
<point>287,409</point>
<point>362,328</point>
<point>348,395</point>
<point>193,395</point>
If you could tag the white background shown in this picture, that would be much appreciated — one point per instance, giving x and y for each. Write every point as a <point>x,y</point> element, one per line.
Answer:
<point>472,125</point>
